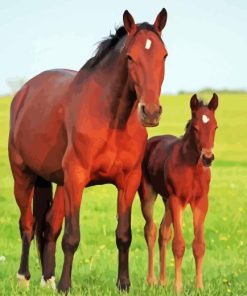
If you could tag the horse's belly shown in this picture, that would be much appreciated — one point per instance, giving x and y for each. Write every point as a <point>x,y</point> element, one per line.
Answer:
<point>42,150</point>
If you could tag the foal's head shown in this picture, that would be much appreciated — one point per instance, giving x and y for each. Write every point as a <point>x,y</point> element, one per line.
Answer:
<point>204,125</point>
<point>146,54</point>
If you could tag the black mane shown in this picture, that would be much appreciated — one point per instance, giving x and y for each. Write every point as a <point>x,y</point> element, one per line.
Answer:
<point>108,43</point>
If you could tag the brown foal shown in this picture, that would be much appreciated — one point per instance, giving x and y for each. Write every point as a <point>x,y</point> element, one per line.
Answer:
<point>178,170</point>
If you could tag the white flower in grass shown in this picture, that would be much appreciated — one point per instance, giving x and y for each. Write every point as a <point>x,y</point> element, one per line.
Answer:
<point>2,258</point>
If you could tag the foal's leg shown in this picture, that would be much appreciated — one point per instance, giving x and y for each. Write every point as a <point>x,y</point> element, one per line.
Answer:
<point>123,231</point>
<point>23,190</point>
<point>164,237</point>
<point>178,243</point>
<point>148,197</point>
<point>54,220</point>
<point>199,209</point>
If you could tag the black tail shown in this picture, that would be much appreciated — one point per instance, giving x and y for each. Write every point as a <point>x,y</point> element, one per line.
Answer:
<point>42,202</point>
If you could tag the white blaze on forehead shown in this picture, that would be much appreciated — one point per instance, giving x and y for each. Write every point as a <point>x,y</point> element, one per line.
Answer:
<point>205,119</point>
<point>148,44</point>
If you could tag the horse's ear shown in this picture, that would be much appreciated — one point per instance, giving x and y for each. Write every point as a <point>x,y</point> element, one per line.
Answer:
<point>160,21</point>
<point>213,104</point>
<point>194,103</point>
<point>129,22</point>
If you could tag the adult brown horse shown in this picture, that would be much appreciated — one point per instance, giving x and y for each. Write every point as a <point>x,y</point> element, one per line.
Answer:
<point>78,129</point>
<point>178,170</point>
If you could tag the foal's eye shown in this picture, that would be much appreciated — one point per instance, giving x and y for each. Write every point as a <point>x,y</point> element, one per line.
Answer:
<point>130,58</point>
<point>196,128</point>
<point>165,56</point>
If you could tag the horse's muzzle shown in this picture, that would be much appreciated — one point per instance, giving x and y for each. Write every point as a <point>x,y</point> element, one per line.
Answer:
<point>150,119</point>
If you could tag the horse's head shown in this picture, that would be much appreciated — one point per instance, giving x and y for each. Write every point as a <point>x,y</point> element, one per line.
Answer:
<point>146,54</point>
<point>204,125</point>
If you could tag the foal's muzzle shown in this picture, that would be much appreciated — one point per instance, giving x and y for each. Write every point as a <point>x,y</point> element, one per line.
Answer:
<point>207,157</point>
<point>150,118</point>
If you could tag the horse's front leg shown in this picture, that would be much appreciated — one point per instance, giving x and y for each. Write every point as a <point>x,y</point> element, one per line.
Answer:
<point>123,232</point>
<point>199,209</point>
<point>178,243</point>
<point>74,182</point>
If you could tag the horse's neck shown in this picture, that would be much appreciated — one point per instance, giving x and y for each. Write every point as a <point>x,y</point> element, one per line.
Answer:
<point>190,151</point>
<point>121,99</point>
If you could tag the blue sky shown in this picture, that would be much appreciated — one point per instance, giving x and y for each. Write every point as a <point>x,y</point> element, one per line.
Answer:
<point>206,40</point>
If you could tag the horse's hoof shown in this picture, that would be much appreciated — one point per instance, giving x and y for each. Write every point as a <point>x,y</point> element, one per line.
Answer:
<point>178,288</point>
<point>163,282</point>
<point>199,286</point>
<point>123,285</point>
<point>23,283</point>
<point>63,288</point>
<point>151,281</point>
<point>50,283</point>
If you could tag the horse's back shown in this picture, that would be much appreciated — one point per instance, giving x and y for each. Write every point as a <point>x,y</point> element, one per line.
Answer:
<point>157,151</point>
<point>37,121</point>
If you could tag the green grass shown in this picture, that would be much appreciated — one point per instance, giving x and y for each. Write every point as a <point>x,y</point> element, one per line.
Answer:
<point>95,264</point>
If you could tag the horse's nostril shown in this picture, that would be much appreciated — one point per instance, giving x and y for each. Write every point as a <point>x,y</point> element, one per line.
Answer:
<point>143,109</point>
<point>160,109</point>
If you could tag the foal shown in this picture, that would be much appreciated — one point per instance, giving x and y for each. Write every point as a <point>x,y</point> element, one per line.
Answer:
<point>178,170</point>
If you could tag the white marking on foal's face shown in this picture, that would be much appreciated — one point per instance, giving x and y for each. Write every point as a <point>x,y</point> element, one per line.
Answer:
<point>205,119</point>
<point>148,44</point>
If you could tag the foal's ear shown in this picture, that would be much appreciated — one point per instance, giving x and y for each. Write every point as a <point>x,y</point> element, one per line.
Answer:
<point>194,103</point>
<point>129,22</point>
<point>160,21</point>
<point>213,104</point>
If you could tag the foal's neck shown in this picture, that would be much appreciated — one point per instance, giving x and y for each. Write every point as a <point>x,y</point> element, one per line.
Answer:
<point>190,151</point>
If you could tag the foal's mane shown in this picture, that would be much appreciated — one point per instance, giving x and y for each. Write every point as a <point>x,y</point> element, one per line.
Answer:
<point>110,42</point>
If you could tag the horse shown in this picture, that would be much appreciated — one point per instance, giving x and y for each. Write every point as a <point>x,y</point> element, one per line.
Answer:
<point>78,129</point>
<point>179,170</point>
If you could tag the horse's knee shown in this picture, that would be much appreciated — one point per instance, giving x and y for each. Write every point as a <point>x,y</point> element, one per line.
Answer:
<point>71,241</point>
<point>178,248</point>
<point>164,237</point>
<point>150,232</point>
<point>123,239</point>
<point>198,248</point>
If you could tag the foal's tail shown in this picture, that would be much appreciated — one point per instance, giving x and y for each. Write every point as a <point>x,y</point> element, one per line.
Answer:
<point>42,202</point>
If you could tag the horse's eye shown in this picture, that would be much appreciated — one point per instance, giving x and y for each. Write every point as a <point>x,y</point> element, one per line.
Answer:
<point>165,56</point>
<point>130,58</point>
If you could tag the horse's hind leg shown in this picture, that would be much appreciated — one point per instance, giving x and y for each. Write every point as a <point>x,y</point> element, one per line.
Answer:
<point>23,190</point>
<point>148,197</point>
<point>54,221</point>
<point>164,237</point>
<point>199,209</point>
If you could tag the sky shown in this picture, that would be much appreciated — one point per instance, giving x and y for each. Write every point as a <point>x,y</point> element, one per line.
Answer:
<point>206,40</point>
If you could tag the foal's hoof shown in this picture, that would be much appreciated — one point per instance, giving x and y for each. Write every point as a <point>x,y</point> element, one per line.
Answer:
<point>50,283</point>
<point>151,281</point>
<point>63,288</point>
<point>123,285</point>
<point>23,283</point>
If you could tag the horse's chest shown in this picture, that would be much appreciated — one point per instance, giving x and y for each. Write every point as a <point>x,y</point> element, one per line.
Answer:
<point>117,158</point>
<point>193,185</point>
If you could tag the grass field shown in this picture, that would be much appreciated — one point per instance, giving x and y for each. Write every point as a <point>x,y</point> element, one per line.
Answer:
<point>95,264</point>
